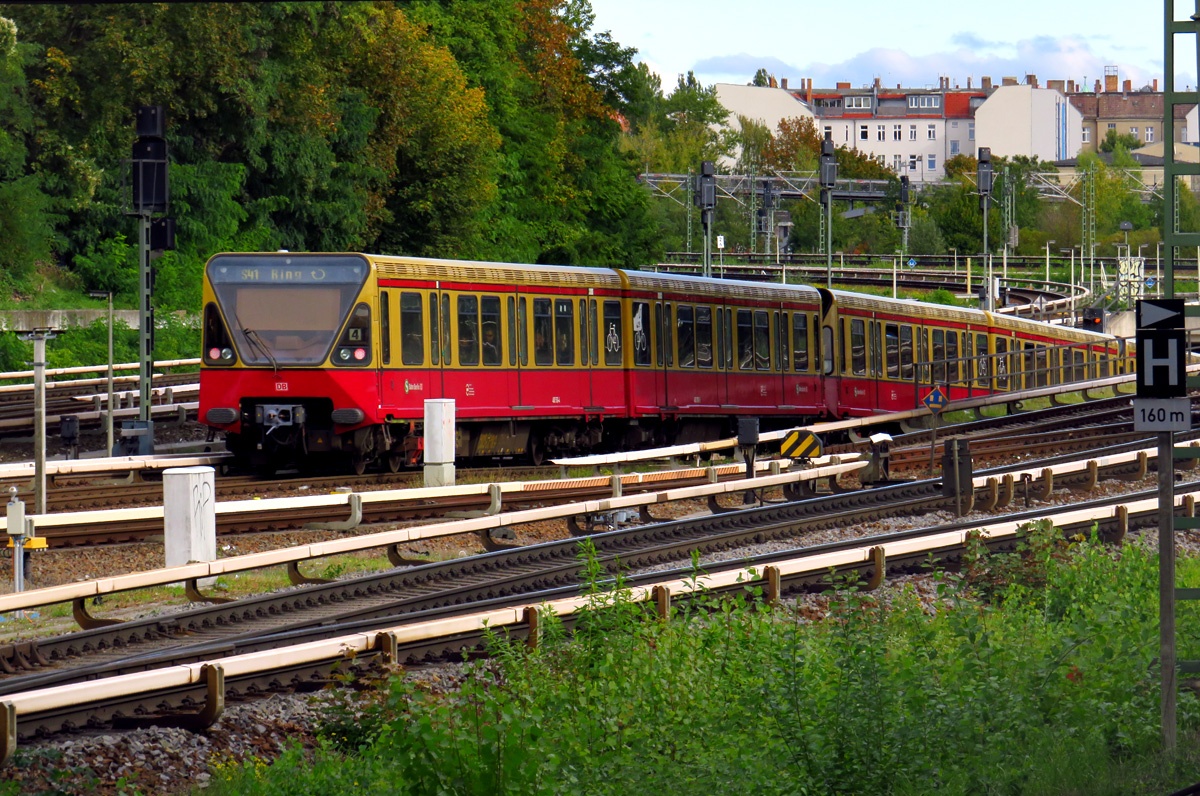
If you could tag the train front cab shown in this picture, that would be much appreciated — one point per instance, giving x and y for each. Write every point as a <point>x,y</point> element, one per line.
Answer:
<point>289,353</point>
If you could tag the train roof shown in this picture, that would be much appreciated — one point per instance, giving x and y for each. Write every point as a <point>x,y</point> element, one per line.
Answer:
<point>1060,331</point>
<point>474,271</point>
<point>719,288</point>
<point>918,309</point>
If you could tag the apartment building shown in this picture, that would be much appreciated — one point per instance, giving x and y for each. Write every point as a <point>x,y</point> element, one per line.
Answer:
<point>1138,113</point>
<point>1026,119</point>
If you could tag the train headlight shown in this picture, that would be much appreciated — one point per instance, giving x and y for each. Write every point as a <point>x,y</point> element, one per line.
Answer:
<point>227,354</point>
<point>344,354</point>
<point>214,353</point>
<point>360,354</point>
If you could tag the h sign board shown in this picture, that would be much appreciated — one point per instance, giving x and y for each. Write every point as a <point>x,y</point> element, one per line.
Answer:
<point>1161,349</point>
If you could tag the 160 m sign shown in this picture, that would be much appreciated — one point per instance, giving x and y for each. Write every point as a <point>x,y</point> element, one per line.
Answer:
<point>1162,414</point>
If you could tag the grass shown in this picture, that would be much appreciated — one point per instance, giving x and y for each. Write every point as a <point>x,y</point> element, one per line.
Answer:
<point>1031,673</point>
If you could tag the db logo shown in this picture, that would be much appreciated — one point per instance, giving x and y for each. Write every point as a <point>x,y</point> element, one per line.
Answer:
<point>281,386</point>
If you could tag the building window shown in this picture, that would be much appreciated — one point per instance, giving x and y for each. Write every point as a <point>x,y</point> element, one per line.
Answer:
<point>971,131</point>
<point>932,163</point>
<point>862,132</point>
<point>912,132</point>
<point>881,133</point>
<point>1112,125</point>
<point>1133,131</point>
<point>954,147</point>
<point>897,132</point>
<point>1183,135</point>
<point>896,163</point>
<point>829,103</point>
<point>1087,135</point>
<point>932,132</point>
<point>858,102</point>
<point>913,162</point>
<point>925,101</point>
<point>829,131</point>
<point>1149,135</point>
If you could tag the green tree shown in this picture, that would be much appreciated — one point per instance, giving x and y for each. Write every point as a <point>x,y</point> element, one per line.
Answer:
<point>1114,140</point>
<point>762,78</point>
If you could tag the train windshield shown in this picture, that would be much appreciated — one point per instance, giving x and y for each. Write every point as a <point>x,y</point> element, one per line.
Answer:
<point>285,309</point>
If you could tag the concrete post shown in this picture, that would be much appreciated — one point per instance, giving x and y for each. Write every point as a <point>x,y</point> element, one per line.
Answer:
<point>439,442</point>
<point>190,516</point>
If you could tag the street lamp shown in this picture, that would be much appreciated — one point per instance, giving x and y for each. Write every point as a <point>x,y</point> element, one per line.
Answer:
<point>109,422</point>
<point>1048,259</point>
<point>983,180</point>
<point>828,178</point>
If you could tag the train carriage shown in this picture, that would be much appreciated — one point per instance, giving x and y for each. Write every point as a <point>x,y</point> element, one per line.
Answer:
<point>312,356</point>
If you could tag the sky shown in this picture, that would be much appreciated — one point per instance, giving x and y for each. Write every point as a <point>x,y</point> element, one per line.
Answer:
<point>911,44</point>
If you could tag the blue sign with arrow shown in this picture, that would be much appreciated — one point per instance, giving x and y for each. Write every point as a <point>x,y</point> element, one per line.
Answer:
<point>936,400</point>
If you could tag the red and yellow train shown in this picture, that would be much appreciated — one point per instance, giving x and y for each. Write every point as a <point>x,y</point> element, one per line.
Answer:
<point>320,355</point>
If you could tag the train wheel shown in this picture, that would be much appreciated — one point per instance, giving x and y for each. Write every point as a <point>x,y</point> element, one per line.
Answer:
<point>537,450</point>
<point>359,462</point>
<point>394,462</point>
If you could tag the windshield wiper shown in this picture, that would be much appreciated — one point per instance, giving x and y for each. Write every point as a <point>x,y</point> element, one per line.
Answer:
<point>257,343</point>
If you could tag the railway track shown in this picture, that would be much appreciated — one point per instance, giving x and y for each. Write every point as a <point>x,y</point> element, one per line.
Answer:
<point>449,589</point>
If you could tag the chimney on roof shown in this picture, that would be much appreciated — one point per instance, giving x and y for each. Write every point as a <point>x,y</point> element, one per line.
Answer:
<point>1110,82</point>
<point>877,82</point>
<point>1031,80</point>
<point>1127,86</point>
<point>1070,86</point>
<point>1155,84</point>
<point>985,83</point>
<point>809,91</point>
<point>843,86</point>
<point>1097,89</point>
<point>968,82</point>
<point>1057,85</point>
<point>1008,81</point>
<point>783,83</point>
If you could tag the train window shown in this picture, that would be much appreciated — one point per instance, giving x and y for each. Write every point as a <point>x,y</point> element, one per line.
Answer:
<point>858,346</point>
<point>762,340</point>
<point>923,356</point>
<point>1001,363</point>
<point>952,362</point>
<point>523,330</point>
<point>412,342</point>
<point>745,340</point>
<point>564,332</point>
<point>728,335</point>
<point>446,328</point>
<point>543,333</point>
<point>704,337</point>
<point>641,333</point>
<point>800,342</point>
<point>612,333</point>
<point>891,333</point>
<point>981,359</point>
<point>906,352</point>
<point>782,353</point>
<point>489,318</point>
<point>658,336</point>
<point>1080,359</point>
<point>1104,362</point>
<point>685,321</point>
<point>827,349</point>
<point>939,356</point>
<point>720,338</point>
<point>1028,365</point>
<point>435,352</point>
<point>876,351</point>
<point>668,330</point>
<point>512,331</point>
<point>468,330</point>
<point>594,337</point>
<point>385,328</point>
<point>583,332</point>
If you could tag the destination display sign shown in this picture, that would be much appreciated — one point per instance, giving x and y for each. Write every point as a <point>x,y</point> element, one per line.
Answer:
<point>275,269</point>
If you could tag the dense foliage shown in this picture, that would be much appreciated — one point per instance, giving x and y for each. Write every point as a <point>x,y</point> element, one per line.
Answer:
<point>1032,673</point>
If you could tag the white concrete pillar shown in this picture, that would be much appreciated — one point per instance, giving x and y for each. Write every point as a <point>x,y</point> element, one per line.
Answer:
<point>189,516</point>
<point>439,442</point>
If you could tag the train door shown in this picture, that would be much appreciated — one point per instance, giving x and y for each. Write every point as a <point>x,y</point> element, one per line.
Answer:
<point>439,344</point>
<point>664,350</point>
<point>829,354</point>
<point>646,378</point>
<point>588,352</point>
<point>405,375</point>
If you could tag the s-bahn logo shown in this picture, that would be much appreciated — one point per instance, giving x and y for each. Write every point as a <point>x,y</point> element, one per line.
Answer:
<point>410,386</point>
